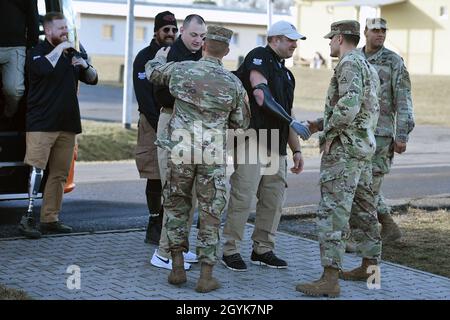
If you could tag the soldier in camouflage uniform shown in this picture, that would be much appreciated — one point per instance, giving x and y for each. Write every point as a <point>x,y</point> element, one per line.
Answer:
<point>208,98</point>
<point>396,119</point>
<point>348,144</point>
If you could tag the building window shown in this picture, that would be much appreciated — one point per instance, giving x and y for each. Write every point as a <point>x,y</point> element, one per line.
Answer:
<point>443,12</point>
<point>261,40</point>
<point>235,39</point>
<point>140,33</point>
<point>107,31</point>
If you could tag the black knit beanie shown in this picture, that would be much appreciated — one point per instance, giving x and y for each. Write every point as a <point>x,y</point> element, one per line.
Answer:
<point>164,19</point>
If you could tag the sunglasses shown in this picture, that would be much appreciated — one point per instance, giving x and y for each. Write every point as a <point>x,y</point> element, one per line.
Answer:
<point>167,30</point>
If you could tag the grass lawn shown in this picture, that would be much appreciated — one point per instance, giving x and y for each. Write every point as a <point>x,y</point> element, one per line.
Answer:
<point>430,94</point>
<point>101,141</point>
<point>12,294</point>
<point>425,244</point>
<point>109,141</point>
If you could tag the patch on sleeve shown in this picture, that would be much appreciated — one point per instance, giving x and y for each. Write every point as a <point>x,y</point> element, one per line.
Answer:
<point>343,80</point>
<point>257,61</point>
<point>141,75</point>
<point>36,57</point>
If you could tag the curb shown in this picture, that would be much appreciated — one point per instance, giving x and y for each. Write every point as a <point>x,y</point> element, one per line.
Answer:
<point>436,202</point>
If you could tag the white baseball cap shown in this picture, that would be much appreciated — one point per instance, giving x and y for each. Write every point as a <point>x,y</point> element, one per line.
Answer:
<point>284,28</point>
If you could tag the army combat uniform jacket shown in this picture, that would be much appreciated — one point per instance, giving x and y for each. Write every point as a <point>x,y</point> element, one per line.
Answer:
<point>204,91</point>
<point>352,109</point>
<point>208,98</point>
<point>396,110</point>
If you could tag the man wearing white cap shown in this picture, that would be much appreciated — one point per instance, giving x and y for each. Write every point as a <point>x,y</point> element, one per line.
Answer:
<point>270,86</point>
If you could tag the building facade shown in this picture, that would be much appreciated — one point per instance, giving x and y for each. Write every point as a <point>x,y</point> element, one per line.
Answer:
<point>419,30</point>
<point>102,26</point>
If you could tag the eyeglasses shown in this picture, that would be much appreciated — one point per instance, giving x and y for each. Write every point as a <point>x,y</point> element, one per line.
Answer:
<point>167,30</point>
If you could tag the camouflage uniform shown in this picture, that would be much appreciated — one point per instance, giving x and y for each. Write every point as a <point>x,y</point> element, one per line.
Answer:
<point>203,91</point>
<point>396,119</point>
<point>351,114</point>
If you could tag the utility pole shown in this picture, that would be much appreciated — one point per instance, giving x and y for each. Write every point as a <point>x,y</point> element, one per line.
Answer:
<point>269,13</point>
<point>127,79</point>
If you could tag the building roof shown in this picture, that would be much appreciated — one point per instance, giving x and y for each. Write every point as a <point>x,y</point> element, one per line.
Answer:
<point>369,3</point>
<point>148,10</point>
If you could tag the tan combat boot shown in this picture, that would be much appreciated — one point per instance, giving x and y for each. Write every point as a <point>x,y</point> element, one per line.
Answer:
<point>327,285</point>
<point>178,274</point>
<point>360,273</point>
<point>389,229</point>
<point>206,282</point>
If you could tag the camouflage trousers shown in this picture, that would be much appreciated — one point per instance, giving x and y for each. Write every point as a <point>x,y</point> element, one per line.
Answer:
<point>381,165</point>
<point>346,200</point>
<point>211,194</point>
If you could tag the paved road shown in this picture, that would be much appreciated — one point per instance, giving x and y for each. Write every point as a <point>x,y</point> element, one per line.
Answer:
<point>104,103</point>
<point>111,196</point>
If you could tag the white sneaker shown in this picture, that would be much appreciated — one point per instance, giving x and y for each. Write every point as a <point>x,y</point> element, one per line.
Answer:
<point>161,262</point>
<point>190,257</point>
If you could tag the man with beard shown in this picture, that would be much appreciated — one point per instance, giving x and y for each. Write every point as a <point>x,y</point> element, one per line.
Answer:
<point>146,154</point>
<point>187,47</point>
<point>52,121</point>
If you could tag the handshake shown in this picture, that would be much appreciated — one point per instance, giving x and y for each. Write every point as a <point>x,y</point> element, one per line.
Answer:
<point>269,103</point>
<point>301,128</point>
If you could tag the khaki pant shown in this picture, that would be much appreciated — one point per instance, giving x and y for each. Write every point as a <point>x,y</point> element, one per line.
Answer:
<point>146,150</point>
<point>163,125</point>
<point>56,150</point>
<point>270,192</point>
<point>12,62</point>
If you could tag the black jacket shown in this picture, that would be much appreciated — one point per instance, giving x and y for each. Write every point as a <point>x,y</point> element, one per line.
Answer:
<point>143,88</point>
<point>19,23</point>
<point>281,83</point>
<point>178,52</point>
<point>52,102</point>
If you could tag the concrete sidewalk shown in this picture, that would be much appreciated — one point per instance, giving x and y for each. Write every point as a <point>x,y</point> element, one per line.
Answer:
<point>116,265</point>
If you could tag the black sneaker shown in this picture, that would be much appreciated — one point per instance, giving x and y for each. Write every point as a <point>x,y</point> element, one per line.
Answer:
<point>268,259</point>
<point>234,262</point>
<point>27,227</point>
<point>55,227</point>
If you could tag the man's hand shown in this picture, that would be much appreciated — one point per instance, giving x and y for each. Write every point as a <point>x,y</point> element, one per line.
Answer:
<point>298,163</point>
<point>65,45</point>
<point>259,96</point>
<point>399,147</point>
<point>313,126</point>
<point>56,53</point>
<point>301,129</point>
<point>163,52</point>
<point>79,62</point>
